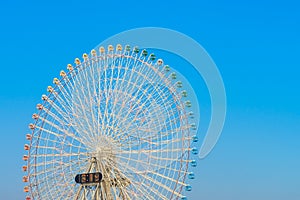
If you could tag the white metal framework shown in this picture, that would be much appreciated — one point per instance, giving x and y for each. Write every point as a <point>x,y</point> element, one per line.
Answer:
<point>119,112</point>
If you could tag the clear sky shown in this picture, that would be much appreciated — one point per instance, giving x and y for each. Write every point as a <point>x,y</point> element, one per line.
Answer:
<point>255,44</point>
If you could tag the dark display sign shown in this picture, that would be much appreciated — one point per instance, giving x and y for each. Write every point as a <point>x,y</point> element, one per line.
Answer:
<point>88,178</point>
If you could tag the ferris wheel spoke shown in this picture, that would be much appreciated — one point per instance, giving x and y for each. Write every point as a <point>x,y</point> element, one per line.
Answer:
<point>129,124</point>
<point>66,193</point>
<point>105,66</point>
<point>137,186</point>
<point>59,134</point>
<point>144,190</point>
<point>45,163</point>
<point>87,135</point>
<point>63,99</point>
<point>149,165</point>
<point>48,131</point>
<point>145,151</point>
<point>89,92</point>
<point>57,100</point>
<point>48,180</point>
<point>131,108</point>
<point>155,143</point>
<point>96,116</point>
<point>81,108</point>
<point>97,95</point>
<point>167,159</point>
<point>55,188</point>
<point>56,168</point>
<point>48,147</point>
<point>60,155</point>
<point>52,124</point>
<point>59,105</point>
<point>61,121</point>
<point>111,92</point>
<point>64,114</point>
<point>168,178</point>
<point>59,165</point>
<point>67,88</point>
<point>145,177</point>
<point>63,89</point>
<point>113,118</point>
<point>150,132</point>
<point>151,192</point>
<point>131,78</point>
<point>163,186</point>
<point>63,141</point>
<point>118,84</point>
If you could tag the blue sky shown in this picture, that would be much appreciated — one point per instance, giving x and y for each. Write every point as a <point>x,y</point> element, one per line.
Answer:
<point>255,44</point>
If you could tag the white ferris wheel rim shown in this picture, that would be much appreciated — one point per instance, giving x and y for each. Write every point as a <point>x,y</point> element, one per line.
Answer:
<point>121,108</point>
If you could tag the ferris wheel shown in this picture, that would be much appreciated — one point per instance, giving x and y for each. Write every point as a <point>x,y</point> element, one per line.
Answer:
<point>117,125</point>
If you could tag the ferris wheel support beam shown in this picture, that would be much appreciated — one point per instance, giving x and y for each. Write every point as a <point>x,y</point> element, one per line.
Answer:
<point>83,188</point>
<point>103,190</point>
